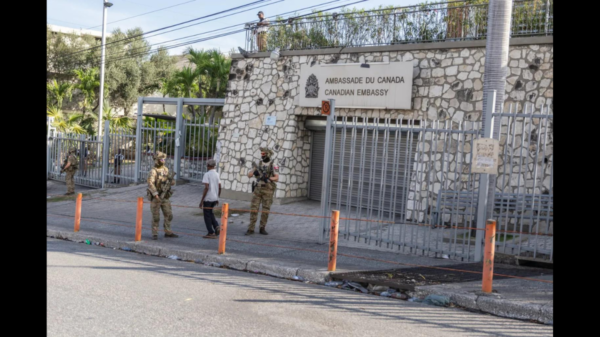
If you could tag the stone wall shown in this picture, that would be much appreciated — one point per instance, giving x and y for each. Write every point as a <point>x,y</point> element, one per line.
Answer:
<point>447,86</point>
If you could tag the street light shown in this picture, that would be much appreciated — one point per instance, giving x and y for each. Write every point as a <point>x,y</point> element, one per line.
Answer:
<point>105,6</point>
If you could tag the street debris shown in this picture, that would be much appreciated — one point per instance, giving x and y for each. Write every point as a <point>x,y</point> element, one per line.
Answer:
<point>356,286</point>
<point>172,257</point>
<point>438,300</point>
<point>334,283</point>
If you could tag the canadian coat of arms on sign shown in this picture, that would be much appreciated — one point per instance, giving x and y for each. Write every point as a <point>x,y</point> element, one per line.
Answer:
<point>312,87</point>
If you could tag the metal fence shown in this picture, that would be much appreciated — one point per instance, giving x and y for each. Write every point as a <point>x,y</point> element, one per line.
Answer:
<point>447,21</point>
<point>89,152</point>
<point>124,156</point>
<point>121,157</point>
<point>156,134</point>
<point>524,187</point>
<point>200,133</point>
<point>407,185</point>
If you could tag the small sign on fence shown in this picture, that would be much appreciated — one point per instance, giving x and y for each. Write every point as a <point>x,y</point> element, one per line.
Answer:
<point>485,156</point>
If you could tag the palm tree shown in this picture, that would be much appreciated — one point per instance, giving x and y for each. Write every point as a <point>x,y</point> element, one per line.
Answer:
<point>60,92</point>
<point>217,71</point>
<point>185,79</point>
<point>168,87</point>
<point>201,60</point>
<point>89,81</point>
<point>65,124</point>
<point>114,120</point>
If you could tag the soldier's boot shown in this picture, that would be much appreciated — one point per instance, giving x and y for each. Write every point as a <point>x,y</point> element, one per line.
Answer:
<point>249,232</point>
<point>171,235</point>
<point>263,231</point>
<point>155,237</point>
<point>69,193</point>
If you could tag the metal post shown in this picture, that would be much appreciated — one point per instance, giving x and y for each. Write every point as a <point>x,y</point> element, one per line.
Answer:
<point>48,147</point>
<point>105,6</point>
<point>77,213</point>
<point>138,141</point>
<point>488,262</point>
<point>138,219</point>
<point>327,168</point>
<point>484,182</point>
<point>178,148</point>
<point>333,240</point>
<point>223,233</point>
<point>105,152</point>
<point>547,16</point>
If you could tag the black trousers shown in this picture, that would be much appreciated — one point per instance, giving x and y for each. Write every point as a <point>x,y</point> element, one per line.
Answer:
<point>209,217</point>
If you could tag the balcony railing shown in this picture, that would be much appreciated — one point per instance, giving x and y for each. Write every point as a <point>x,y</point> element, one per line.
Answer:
<point>448,21</point>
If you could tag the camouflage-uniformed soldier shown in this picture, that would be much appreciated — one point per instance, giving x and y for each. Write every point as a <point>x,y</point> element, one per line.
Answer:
<point>266,174</point>
<point>158,181</point>
<point>70,166</point>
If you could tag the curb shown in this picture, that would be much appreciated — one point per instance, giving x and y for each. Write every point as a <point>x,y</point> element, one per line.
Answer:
<point>493,304</point>
<point>212,259</point>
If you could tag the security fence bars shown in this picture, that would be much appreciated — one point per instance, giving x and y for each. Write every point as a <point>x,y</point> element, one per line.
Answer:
<point>436,22</point>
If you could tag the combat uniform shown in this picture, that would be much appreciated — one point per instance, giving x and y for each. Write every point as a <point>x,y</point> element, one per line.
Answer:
<point>157,184</point>
<point>263,194</point>
<point>71,170</point>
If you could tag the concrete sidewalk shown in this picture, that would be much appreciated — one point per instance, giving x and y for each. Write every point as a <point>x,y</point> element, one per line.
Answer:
<point>290,250</point>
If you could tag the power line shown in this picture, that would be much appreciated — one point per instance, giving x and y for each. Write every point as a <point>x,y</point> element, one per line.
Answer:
<point>167,27</point>
<point>209,38</point>
<point>181,44</point>
<point>319,5</point>
<point>162,47</point>
<point>154,11</point>
<point>221,17</point>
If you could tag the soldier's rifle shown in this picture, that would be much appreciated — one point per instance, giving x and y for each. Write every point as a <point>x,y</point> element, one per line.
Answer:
<point>170,177</point>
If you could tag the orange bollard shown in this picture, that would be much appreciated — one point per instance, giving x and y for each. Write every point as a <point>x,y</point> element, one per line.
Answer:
<point>488,257</point>
<point>77,213</point>
<point>333,240</point>
<point>223,234</point>
<point>138,219</point>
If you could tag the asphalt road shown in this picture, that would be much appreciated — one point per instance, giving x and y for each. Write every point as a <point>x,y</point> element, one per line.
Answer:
<point>97,291</point>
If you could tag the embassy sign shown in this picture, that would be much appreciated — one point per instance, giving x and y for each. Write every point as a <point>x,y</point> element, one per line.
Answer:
<point>381,86</point>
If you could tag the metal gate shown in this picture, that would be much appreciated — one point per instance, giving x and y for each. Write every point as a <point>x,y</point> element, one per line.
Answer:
<point>200,136</point>
<point>188,140</point>
<point>121,157</point>
<point>524,201</point>
<point>89,152</point>
<point>390,191</point>
<point>157,133</point>
<point>407,184</point>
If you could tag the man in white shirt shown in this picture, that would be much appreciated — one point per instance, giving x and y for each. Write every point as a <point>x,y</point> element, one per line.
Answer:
<point>261,32</point>
<point>210,199</point>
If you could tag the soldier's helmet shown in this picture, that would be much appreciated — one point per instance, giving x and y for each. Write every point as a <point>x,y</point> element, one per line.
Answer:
<point>160,155</point>
<point>267,151</point>
<point>72,149</point>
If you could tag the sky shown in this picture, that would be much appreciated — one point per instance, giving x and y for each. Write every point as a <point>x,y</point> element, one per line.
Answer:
<point>128,14</point>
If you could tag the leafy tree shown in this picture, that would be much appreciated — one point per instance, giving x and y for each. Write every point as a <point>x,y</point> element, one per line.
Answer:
<point>59,92</point>
<point>89,83</point>
<point>66,52</point>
